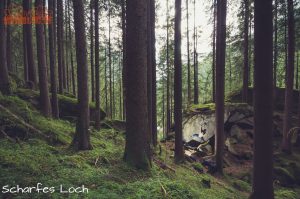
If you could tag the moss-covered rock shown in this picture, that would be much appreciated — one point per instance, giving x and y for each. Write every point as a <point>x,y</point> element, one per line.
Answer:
<point>67,105</point>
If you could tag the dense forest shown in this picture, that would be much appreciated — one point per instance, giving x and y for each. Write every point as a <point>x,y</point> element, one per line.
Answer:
<point>150,99</point>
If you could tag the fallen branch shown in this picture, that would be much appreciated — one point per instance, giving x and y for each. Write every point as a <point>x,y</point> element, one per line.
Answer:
<point>163,165</point>
<point>21,121</point>
<point>7,137</point>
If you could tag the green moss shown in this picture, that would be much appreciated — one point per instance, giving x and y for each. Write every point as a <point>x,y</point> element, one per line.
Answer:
<point>286,194</point>
<point>101,170</point>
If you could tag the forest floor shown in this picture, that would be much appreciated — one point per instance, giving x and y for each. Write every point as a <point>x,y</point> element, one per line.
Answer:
<point>28,157</point>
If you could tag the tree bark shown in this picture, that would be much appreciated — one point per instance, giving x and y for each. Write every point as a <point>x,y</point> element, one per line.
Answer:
<point>246,53</point>
<point>109,61</point>
<point>179,157</point>
<point>288,106</point>
<point>188,54</point>
<point>214,52</point>
<point>42,66</point>
<point>137,150</point>
<point>92,52</point>
<point>60,48</point>
<point>4,81</point>
<point>32,77</point>
<point>97,65</point>
<point>196,85</point>
<point>275,44</point>
<point>8,44</point>
<point>82,136</point>
<point>220,81</point>
<point>123,2</point>
<point>153,55</point>
<point>262,185</point>
<point>53,69</point>
<point>168,118</point>
<point>149,71</point>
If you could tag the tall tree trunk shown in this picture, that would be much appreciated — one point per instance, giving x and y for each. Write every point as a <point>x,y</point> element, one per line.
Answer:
<point>168,125</point>
<point>105,82</point>
<point>275,44</point>
<point>67,47</point>
<point>262,185</point>
<point>60,45</point>
<point>82,136</point>
<point>25,61</point>
<point>8,44</point>
<point>92,52</point>
<point>109,61</point>
<point>153,53</point>
<point>73,80</point>
<point>4,82</point>
<point>188,54</point>
<point>196,86</point>
<point>42,66</point>
<point>71,51</point>
<point>32,77</point>
<point>149,71</point>
<point>179,157</point>
<point>53,69</point>
<point>137,150</point>
<point>246,53</point>
<point>123,2</point>
<point>220,76</point>
<point>288,106</point>
<point>298,136</point>
<point>97,66</point>
<point>214,52</point>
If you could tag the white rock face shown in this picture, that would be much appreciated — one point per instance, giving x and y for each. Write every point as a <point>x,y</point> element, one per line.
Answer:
<point>204,124</point>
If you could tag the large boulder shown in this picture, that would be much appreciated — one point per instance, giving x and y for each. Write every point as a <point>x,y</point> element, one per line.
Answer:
<point>201,121</point>
<point>68,106</point>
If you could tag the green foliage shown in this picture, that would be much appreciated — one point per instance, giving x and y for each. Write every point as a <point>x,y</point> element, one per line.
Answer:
<point>286,194</point>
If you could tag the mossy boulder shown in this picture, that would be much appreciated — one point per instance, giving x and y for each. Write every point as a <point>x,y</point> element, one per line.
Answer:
<point>67,105</point>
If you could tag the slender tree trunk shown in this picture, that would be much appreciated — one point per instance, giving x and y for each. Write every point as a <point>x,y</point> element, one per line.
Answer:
<point>137,150</point>
<point>105,82</point>
<point>60,46</point>
<point>275,44</point>
<point>25,61</point>
<point>262,184</point>
<point>8,44</point>
<point>220,81</point>
<point>188,54</point>
<point>214,52</point>
<point>92,53</point>
<point>42,67</point>
<point>32,77</point>
<point>298,136</point>
<point>196,86</point>
<point>67,46</point>
<point>97,65</point>
<point>179,157</point>
<point>288,106</point>
<point>71,51</point>
<point>149,71</point>
<point>53,69</point>
<point>153,53</point>
<point>163,109</point>
<point>246,53</point>
<point>4,82</point>
<point>168,77</point>
<point>82,136</point>
<point>109,61</point>
<point>123,2</point>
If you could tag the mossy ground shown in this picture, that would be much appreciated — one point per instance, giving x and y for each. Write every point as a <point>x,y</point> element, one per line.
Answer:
<point>101,170</point>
